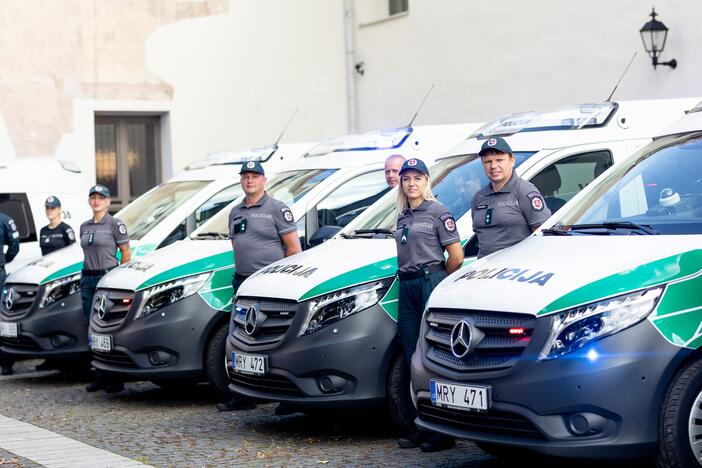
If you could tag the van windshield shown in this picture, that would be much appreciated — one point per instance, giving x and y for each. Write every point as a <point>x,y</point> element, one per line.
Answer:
<point>287,187</point>
<point>454,182</point>
<point>656,191</point>
<point>144,213</point>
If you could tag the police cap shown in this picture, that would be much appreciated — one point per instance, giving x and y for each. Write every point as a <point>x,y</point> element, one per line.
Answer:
<point>99,189</point>
<point>52,202</point>
<point>414,164</point>
<point>252,166</point>
<point>495,144</point>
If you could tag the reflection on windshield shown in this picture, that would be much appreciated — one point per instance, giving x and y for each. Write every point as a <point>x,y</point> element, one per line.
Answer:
<point>287,187</point>
<point>454,182</point>
<point>144,213</point>
<point>660,187</point>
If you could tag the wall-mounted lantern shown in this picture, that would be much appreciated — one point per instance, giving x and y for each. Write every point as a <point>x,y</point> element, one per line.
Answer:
<point>654,34</point>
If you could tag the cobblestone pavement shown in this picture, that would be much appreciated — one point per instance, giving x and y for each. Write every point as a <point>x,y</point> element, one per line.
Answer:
<point>182,428</point>
<point>10,460</point>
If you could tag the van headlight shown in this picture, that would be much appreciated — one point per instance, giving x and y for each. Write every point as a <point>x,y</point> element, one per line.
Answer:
<point>59,290</point>
<point>574,328</point>
<point>165,294</point>
<point>330,308</point>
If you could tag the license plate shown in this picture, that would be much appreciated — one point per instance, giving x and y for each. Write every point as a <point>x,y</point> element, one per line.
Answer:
<point>463,397</point>
<point>254,364</point>
<point>100,342</point>
<point>9,329</point>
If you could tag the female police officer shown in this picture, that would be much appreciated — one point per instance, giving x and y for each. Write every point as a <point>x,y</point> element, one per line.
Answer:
<point>100,237</point>
<point>57,234</point>
<point>425,228</point>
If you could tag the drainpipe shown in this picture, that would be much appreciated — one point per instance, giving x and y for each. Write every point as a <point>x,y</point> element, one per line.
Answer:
<point>351,110</point>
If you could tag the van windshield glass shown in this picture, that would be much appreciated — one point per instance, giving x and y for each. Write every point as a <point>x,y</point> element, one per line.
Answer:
<point>657,191</point>
<point>144,213</point>
<point>287,187</point>
<point>454,182</point>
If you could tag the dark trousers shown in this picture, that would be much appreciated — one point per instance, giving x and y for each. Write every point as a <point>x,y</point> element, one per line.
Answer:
<point>414,294</point>
<point>5,360</point>
<point>236,282</point>
<point>88,286</point>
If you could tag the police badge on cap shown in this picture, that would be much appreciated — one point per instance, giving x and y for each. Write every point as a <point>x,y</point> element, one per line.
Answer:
<point>252,166</point>
<point>100,190</point>
<point>52,202</point>
<point>414,164</point>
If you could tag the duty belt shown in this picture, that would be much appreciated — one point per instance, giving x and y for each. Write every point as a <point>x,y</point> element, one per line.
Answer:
<point>95,272</point>
<point>239,277</point>
<point>425,271</point>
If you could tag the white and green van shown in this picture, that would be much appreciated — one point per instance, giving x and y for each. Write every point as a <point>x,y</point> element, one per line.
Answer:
<point>325,333</point>
<point>585,340</point>
<point>181,296</point>
<point>45,318</point>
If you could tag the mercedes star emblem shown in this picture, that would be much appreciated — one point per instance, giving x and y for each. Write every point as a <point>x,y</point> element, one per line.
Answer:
<point>250,320</point>
<point>9,298</point>
<point>460,339</point>
<point>101,306</point>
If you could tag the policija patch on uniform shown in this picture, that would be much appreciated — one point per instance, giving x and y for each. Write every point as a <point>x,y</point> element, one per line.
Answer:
<point>537,203</point>
<point>287,214</point>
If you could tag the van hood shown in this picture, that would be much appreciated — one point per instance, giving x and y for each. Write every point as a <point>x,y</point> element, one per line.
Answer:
<point>333,265</point>
<point>180,259</point>
<point>64,262</point>
<point>547,274</point>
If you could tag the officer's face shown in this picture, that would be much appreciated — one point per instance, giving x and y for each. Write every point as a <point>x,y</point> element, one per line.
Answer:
<point>98,203</point>
<point>252,182</point>
<point>498,166</point>
<point>53,213</point>
<point>413,184</point>
<point>392,171</point>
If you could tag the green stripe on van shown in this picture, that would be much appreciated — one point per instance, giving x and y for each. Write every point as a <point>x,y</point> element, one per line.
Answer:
<point>201,265</point>
<point>67,271</point>
<point>643,276</point>
<point>364,274</point>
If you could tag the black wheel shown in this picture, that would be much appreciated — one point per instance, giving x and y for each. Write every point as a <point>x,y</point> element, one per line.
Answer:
<point>680,428</point>
<point>399,400</point>
<point>215,369</point>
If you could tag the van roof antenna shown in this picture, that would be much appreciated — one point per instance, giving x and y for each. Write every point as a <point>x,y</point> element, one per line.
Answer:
<point>285,129</point>
<point>621,77</point>
<point>421,105</point>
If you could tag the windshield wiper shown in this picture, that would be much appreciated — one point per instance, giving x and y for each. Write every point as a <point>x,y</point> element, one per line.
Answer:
<point>211,235</point>
<point>555,231</point>
<point>367,233</point>
<point>616,225</point>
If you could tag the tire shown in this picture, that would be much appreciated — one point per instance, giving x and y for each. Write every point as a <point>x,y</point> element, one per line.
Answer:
<point>682,400</point>
<point>215,370</point>
<point>399,401</point>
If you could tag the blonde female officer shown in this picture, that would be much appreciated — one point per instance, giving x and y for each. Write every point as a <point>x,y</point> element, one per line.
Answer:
<point>425,229</point>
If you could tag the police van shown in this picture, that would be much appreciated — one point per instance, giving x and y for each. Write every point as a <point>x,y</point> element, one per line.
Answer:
<point>40,308</point>
<point>585,339</point>
<point>168,313</point>
<point>26,184</point>
<point>325,334</point>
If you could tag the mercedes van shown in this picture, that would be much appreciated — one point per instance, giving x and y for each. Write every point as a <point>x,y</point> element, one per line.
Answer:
<point>585,339</point>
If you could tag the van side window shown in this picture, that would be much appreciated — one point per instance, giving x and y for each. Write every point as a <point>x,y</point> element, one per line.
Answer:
<point>349,200</point>
<point>560,181</point>
<point>16,206</point>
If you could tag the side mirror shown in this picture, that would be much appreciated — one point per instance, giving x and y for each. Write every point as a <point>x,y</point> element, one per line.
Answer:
<point>324,233</point>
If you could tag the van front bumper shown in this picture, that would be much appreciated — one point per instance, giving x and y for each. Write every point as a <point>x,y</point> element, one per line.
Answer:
<point>58,331</point>
<point>342,366</point>
<point>603,405</point>
<point>168,344</point>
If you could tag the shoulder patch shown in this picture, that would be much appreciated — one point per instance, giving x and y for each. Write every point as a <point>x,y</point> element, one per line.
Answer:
<point>446,215</point>
<point>12,224</point>
<point>71,234</point>
<point>537,202</point>
<point>122,229</point>
<point>449,221</point>
<point>287,214</point>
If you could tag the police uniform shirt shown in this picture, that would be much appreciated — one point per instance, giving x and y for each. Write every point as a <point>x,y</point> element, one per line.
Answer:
<point>100,241</point>
<point>9,236</point>
<point>256,232</point>
<point>53,239</point>
<point>502,219</point>
<point>421,235</point>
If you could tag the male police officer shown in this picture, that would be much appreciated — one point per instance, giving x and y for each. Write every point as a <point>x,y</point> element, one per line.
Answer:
<point>262,231</point>
<point>509,208</point>
<point>100,237</point>
<point>8,236</point>
<point>392,169</point>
